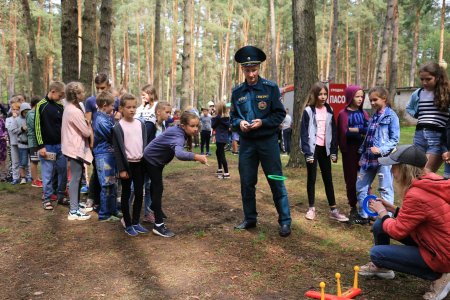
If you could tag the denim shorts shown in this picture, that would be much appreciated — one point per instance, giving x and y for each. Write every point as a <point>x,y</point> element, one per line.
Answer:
<point>430,141</point>
<point>23,157</point>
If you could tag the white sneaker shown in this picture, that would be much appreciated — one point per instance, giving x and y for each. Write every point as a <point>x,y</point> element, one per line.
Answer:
<point>311,213</point>
<point>439,288</point>
<point>23,181</point>
<point>78,215</point>
<point>334,214</point>
<point>84,207</point>
<point>89,203</point>
<point>370,269</point>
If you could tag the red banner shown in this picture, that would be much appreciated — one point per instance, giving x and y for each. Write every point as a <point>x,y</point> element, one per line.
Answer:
<point>336,97</point>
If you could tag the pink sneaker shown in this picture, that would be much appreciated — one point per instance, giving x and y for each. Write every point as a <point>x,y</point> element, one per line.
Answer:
<point>311,213</point>
<point>334,214</point>
<point>149,218</point>
<point>370,269</point>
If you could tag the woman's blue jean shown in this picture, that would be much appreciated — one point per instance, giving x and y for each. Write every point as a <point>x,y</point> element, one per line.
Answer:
<point>402,258</point>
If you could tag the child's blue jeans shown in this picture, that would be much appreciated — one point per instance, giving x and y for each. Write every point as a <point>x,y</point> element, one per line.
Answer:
<point>385,185</point>
<point>106,172</point>
<point>23,158</point>
<point>57,167</point>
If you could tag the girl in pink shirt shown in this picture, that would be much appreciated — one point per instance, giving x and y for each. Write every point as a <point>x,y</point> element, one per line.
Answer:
<point>129,139</point>
<point>318,144</point>
<point>75,136</point>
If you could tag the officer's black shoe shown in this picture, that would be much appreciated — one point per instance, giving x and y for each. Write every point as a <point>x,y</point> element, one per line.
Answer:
<point>246,225</point>
<point>285,230</point>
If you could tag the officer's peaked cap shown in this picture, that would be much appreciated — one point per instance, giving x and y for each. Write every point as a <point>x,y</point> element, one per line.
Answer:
<point>249,56</point>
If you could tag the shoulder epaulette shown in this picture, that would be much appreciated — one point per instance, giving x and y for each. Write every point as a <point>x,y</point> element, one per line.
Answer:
<point>269,83</point>
<point>237,86</point>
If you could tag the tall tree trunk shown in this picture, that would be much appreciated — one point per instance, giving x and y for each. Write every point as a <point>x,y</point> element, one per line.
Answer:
<point>369,57</point>
<point>147,55</point>
<point>186,57</point>
<point>273,55</point>
<point>394,54</point>
<point>39,23</point>
<point>138,49</point>
<point>157,49</point>
<point>173,69</point>
<point>80,33</point>
<point>126,60</point>
<point>69,40</point>
<point>305,64</point>
<point>327,71</point>
<point>87,53</point>
<point>441,35</point>
<point>334,42</point>
<point>412,72</point>
<point>192,68</point>
<point>12,51</point>
<point>358,57</point>
<point>377,57</point>
<point>226,54</point>
<point>278,52</point>
<point>36,63</point>
<point>347,55</point>
<point>112,63</point>
<point>382,63</point>
<point>322,71</point>
<point>105,36</point>
<point>152,58</point>
<point>50,57</point>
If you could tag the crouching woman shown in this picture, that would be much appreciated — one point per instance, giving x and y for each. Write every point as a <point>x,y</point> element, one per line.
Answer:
<point>422,224</point>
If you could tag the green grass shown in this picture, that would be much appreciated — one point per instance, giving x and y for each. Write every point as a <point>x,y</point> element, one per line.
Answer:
<point>407,134</point>
<point>7,188</point>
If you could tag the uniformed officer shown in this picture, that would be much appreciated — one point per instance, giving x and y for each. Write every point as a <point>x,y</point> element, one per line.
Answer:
<point>256,114</point>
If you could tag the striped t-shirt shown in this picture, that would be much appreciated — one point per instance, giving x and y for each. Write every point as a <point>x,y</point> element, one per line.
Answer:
<point>429,114</point>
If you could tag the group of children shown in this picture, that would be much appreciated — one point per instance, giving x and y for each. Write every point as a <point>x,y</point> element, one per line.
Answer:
<point>121,139</point>
<point>18,129</point>
<point>363,139</point>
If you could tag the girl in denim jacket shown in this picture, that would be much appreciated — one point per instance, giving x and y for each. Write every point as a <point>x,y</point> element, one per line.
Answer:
<point>382,137</point>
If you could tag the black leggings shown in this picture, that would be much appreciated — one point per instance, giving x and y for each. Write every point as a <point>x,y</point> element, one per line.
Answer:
<point>320,156</point>
<point>136,176</point>
<point>156,190</point>
<point>221,158</point>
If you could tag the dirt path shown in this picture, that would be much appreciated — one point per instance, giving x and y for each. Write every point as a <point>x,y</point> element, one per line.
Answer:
<point>44,256</point>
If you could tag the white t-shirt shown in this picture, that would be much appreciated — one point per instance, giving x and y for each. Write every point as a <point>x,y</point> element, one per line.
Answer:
<point>147,112</point>
<point>321,119</point>
<point>287,122</point>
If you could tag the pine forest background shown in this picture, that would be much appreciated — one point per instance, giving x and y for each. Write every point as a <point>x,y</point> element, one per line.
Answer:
<point>186,47</point>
